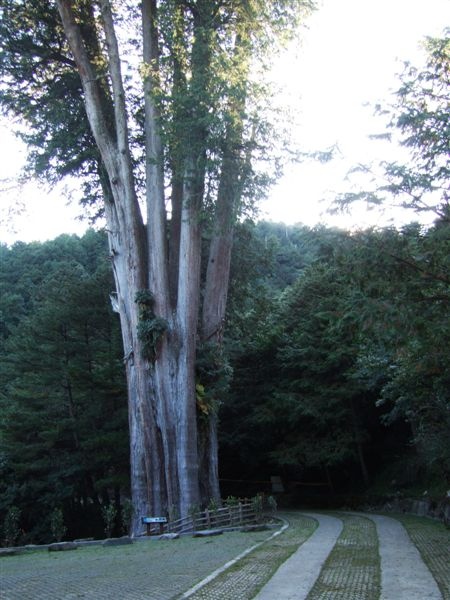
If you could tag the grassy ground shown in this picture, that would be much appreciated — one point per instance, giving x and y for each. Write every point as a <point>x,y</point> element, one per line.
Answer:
<point>432,539</point>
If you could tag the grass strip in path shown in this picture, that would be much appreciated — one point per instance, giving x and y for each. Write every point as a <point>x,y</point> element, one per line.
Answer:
<point>432,539</point>
<point>352,569</point>
<point>244,579</point>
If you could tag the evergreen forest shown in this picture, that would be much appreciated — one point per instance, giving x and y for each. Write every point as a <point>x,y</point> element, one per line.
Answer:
<point>336,376</point>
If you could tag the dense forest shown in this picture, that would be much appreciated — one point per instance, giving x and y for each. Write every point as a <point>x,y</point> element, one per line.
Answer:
<point>318,356</point>
<point>336,376</point>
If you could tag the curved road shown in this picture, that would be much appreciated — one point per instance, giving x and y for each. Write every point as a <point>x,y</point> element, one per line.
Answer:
<point>404,575</point>
<point>297,575</point>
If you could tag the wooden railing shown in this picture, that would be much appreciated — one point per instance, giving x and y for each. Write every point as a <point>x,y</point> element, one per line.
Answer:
<point>236,515</point>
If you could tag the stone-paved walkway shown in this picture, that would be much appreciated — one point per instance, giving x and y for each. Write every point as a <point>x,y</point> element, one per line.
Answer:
<point>403,572</point>
<point>298,574</point>
<point>147,570</point>
<point>433,542</point>
<point>246,576</point>
<point>351,568</point>
<point>364,557</point>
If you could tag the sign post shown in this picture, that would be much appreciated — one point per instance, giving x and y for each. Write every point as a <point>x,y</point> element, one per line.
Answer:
<point>149,521</point>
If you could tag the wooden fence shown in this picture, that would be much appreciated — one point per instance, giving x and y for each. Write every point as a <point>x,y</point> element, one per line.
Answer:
<point>245,512</point>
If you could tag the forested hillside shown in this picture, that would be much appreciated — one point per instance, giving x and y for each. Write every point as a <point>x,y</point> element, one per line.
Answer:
<point>64,440</point>
<point>336,372</point>
<point>341,364</point>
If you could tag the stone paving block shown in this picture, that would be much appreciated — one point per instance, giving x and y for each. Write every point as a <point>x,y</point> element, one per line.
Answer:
<point>149,570</point>
<point>242,580</point>
<point>352,570</point>
<point>62,546</point>
<point>122,541</point>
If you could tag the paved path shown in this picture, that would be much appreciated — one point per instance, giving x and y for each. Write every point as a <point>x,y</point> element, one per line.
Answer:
<point>146,570</point>
<point>331,562</point>
<point>404,575</point>
<point>297,575</point>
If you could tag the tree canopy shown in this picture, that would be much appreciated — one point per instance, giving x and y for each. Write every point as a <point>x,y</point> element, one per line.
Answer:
<point>63,436</point>
<point>418,119</point>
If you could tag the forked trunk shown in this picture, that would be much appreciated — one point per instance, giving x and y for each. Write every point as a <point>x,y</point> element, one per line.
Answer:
<point>161,380</point>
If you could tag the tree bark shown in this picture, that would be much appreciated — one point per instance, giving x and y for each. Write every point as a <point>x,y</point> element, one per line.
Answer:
<point>129,257</point>
<point>188,298</point>
<point>231,184</point>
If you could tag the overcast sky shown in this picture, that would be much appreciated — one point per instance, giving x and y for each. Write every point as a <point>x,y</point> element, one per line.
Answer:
<point>347,61</point>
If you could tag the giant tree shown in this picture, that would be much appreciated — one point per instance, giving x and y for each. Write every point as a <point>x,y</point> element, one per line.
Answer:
<point>171,163</point>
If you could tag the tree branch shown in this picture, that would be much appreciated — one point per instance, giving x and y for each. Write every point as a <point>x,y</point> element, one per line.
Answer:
<point>416,267</point>
<point>94,106</point>
<point>120,112</point>
<point>154,166</point>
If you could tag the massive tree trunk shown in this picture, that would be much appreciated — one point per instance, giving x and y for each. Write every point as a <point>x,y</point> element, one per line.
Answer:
<point>161,387</point>
<point>157,267</point>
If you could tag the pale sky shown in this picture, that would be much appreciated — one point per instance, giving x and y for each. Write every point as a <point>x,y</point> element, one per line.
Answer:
<point>348,58</point>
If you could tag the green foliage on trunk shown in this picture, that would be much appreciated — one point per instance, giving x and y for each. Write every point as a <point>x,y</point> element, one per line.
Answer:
<point>150,327</point>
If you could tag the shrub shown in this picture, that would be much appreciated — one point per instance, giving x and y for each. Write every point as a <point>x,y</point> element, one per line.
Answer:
<point>57,526</point>
<point>11,528</point>
<point>109,514</point>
